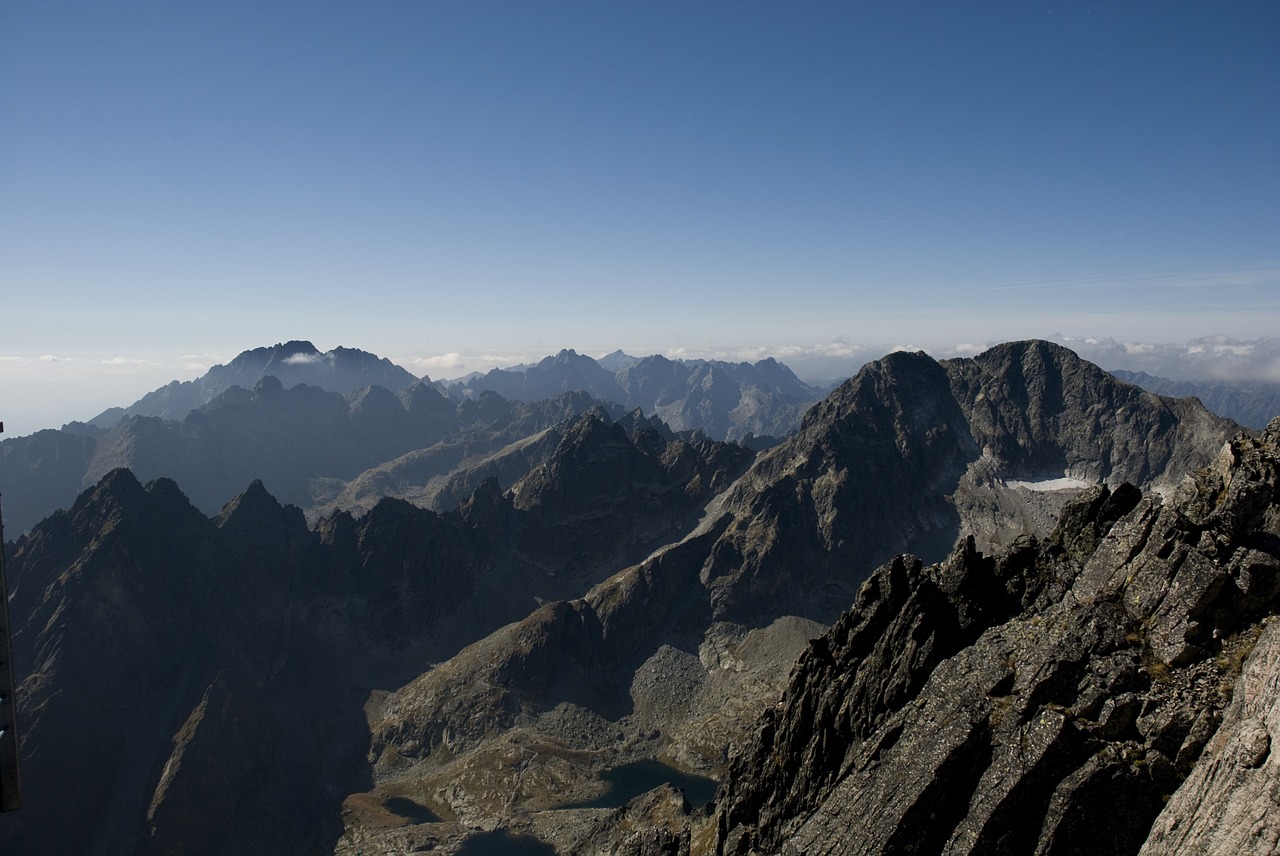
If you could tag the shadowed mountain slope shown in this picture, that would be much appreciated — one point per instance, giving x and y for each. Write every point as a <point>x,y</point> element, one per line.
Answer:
<point>197,685</point>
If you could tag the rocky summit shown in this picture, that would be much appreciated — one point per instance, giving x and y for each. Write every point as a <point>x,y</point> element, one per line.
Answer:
<point>1005,604</point>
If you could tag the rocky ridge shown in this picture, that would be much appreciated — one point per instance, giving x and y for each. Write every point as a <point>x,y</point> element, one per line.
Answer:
<point>733,401</point>
<point>1049,699</point>
<point>1251,403</point>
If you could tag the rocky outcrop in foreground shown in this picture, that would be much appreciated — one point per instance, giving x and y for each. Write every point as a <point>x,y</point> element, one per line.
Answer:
<point>1060,697</point>
<point>1228,805</point>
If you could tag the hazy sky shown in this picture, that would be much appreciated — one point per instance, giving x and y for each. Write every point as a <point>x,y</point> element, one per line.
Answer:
<point>458,184</point>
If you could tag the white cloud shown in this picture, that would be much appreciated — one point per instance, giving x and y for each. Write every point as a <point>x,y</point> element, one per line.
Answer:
<point>1208,358</point>
<point>129,361</point>
<point>302,359</point>
<point>455,364</point>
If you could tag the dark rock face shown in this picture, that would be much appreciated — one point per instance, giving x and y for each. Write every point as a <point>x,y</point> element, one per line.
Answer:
<point>905,455</point>
<point>1047,700</point>
<point>1228,805</point>
<point>1040,410</point>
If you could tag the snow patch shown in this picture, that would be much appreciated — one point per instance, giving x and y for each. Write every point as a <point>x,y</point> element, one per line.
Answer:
<point>1064,483</point>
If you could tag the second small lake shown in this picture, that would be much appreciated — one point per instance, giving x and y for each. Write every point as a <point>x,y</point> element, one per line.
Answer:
<point>411,810</point>
<point>503,843</point>
<point>631,780</point>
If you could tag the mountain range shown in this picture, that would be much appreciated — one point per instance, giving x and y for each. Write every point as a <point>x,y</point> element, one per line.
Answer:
<point>339,370</point>
<point>725,400</point>
<point>1082,571</point>
<point>344,428</point>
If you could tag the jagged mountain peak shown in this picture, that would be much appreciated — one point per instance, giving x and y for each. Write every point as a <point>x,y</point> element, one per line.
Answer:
<point>872,379</point>
<point>486,503</point>
<point>277,353</point>
<point>376,406</point>
<point>566,355</point>
<point>424,393</point>
<point>617,361</point>
<point>120,494</point>
<point>254,503</point>
<point>118,485</point>
<point>268,385</point>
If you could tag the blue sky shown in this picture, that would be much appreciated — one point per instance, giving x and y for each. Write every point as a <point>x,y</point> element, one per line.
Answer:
<point>454,185</point>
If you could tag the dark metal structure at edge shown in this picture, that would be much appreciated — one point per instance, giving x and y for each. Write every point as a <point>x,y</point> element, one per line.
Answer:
<point>10,784</point>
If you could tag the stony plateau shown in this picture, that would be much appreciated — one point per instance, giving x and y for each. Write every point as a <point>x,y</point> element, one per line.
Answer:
<point>424,680</point>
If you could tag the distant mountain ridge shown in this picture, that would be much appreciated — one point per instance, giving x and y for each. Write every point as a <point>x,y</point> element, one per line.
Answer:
<point>339,370</point>
<point>726,400</point>
<point>342,428</point>
<point>1251,403</point>
<point>313,448</point>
